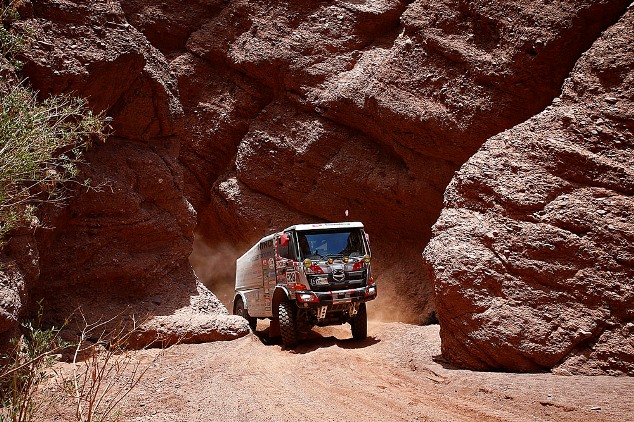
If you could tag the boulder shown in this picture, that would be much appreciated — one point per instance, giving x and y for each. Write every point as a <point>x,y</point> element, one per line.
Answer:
<point>19,268</point>
<point>532,256</point>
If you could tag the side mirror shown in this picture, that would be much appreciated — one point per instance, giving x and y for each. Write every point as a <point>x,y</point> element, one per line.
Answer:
<point>282,246</point>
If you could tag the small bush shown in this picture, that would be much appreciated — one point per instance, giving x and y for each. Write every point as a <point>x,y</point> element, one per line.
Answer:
<point>104,372</point>
<point>107,373</point>
<point>25,367</point>
<point>12,41</point>
<point>41,142</point>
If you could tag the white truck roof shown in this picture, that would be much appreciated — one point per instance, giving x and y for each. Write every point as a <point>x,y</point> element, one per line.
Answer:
<point>322,226</point>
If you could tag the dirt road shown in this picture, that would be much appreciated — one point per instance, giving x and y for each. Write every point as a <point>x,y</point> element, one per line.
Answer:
<point>391,376</point>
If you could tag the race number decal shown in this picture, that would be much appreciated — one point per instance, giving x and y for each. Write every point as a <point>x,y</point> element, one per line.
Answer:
<point>291,277</point>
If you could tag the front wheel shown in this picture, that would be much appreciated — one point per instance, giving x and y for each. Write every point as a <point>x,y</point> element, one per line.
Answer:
<point>239,309</point>
<point>359,323</point>
<point>288,324</point>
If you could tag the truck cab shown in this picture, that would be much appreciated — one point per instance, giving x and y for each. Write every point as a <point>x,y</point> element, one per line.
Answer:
<point>307,275</point>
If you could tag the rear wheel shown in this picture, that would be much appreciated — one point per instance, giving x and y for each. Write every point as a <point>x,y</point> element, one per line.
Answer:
<point>239,309</point>
<point>359,323</point>
<point>288,324</point>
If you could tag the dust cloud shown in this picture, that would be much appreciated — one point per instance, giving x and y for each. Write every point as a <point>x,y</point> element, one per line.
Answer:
<point>390,306</point>
<point>215,266</point>
<point>404,286</point>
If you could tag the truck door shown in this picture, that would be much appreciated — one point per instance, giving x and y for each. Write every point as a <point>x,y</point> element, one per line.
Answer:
<point>286,260</point>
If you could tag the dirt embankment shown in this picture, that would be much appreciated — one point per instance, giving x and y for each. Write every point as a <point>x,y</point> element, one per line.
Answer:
<point>394,375</point>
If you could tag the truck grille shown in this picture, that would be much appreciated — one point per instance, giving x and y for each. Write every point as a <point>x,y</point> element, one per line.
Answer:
<point>347,280</point>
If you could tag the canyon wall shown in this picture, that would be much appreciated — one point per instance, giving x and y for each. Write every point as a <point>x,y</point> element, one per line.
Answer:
<point>234,119</point>
<point>533,254</point>
<point>122,247</point>
<point>299,111</point>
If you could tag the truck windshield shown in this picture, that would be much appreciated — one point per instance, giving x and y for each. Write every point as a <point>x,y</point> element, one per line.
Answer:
<point>330,243</point>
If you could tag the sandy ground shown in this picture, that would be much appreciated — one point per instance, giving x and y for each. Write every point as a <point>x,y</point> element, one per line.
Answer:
<point>393,375</point>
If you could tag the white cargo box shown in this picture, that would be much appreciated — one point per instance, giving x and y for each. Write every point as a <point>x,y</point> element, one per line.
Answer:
<point>251,270</point>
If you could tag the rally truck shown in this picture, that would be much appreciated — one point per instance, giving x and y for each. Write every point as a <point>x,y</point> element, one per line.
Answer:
<point>307,275</point>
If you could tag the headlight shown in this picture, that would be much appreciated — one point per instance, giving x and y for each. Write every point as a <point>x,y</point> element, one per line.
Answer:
<point>308,263</point>
<point>366,259</point>
<point>306,297</point>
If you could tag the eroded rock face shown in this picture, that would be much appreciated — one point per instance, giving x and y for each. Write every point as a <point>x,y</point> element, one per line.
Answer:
<point>368,107</point>
<point>19,268</point>
<point>121,248</point>
<point>533,256</point>
<point>238,118</point>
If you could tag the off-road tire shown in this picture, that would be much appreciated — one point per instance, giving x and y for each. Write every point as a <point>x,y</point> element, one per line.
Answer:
<point>359,323</point>
<point>239,309</point>
<point>288,324</point>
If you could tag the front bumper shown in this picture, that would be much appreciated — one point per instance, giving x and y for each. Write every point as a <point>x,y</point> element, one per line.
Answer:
<point>335,297</point>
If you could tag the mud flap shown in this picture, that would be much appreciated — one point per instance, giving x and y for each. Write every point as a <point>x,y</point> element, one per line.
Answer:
<point>274,328</point>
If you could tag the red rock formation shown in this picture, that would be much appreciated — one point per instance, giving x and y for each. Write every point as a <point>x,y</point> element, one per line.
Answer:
<point>533,256</point>
<point>266,114</point>
<point>122,247</point>
<point>19,268</point>
<point>385,98</point>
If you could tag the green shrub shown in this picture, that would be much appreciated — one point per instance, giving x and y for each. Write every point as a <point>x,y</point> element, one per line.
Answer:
<point>41,142</point>
<point>12,41</point>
